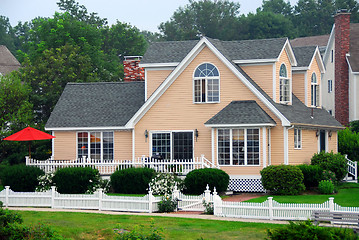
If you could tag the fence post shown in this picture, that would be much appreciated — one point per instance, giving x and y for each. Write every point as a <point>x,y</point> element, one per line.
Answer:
<point>100,195</point>
<point>217,204</point>
<point>175,193</point>
<point>7,191</point>
<point>150,200</point>
<point>207,194</point>
<point>27,160</point>
<point>331,204</point>
<point>53,190</point>
<point>270,207</point>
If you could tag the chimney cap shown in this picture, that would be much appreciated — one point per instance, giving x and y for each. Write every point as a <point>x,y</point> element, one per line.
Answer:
<point>133,58</point>
<point>342,11</point>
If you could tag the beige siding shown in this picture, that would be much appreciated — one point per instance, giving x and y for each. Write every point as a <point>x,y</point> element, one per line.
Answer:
<point>299,85</point>
<point>277,145</point>
<point>333,142</point>
<point>283,58</point>
<point>309,147</point>
<point>175,109</point>
<point>154,79</point>
<point>313,68</point>
<point>122,145</point>
<point>262,75</point>
<point>64,145</point>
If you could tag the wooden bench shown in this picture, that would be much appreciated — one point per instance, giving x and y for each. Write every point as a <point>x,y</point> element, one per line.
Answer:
<point>337,218</point>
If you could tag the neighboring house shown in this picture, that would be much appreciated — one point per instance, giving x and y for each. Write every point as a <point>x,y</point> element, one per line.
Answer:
<point>8,62</point>
<point>244,105</point>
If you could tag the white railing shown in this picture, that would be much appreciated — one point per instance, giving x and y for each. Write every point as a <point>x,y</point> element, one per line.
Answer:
<point>352,169</point>
<point>96,201</point>
<point>107,167</point>
<point>273,210</point>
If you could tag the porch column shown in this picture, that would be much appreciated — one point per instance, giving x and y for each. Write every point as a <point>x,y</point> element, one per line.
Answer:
<point>264,142</point>
<point>213,152</point>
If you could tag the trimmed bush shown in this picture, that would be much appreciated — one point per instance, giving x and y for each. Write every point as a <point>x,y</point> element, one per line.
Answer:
<point>348,142</point>
<point>312,175</point>
<point>283,179</point>
<point>326,187</point>
<point>21,178</point>
<point>333,162</point>
<point>76,180</point>
<point>132,180</point>
<point>197,180</point>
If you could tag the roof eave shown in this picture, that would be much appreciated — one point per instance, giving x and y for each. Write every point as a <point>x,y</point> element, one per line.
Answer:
<point>86,128</point>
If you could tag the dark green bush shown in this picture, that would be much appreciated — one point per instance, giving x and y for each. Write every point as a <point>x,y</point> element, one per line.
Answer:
<point>333,162</point>
<point>312,175</point>
<point>21,178</point>
<point>76,179</point>
<point>197,180</point>
<point>167,204</point>
<point>283,179</point>
<point>132,180</point>
<point>326,187</point>
<point>348,142</point>
<point>307,231</point>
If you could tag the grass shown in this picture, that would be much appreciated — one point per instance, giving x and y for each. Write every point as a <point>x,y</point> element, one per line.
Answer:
<point>100,226</point>
<point>346,197</point>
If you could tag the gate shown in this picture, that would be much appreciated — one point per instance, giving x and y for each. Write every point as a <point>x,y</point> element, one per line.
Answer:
<point>192,203</point>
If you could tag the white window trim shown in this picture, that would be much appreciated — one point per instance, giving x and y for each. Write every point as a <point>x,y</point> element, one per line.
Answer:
<point>316,87</point>
<point>330,86</point>
<point>206,82</point>
<point>245,148</point>
<point>171,140</point>
<point>89,143</point>
<point>289,83</point>
<point>296,140</point>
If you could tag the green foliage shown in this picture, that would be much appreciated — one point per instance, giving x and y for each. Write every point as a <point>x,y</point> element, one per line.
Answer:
<point>326,187</point>
<point>164,183</point>
<point>348,141</point>
<point>140,232</point>
<point>283,179</point>
<point>197,180</point>
<point>333,162</point>
<point>167,204</point>
<point>307,231</point>
<point>312,175</point>
<point>76,180</point>
<point>329,175</point>
<point>208,207</point>
<point>132,180</point>
<point>21,178</point>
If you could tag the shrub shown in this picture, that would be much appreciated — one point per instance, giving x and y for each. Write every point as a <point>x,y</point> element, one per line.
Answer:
<point>141,232</point>
<point>312,175</point>
<point>132,180</point>
<point>306,230</point>
<point>208,207</point>
<point>168,204</point>
<point>75,180</point>
<point>21,178</point>
<point>326,187</point>
<point>164,183</point>
<point>333,162</point>
<point>329,175</point>
<point>283,179</point>
<point>45,182</point>
<point>197,180</point>
<point>348,142</point>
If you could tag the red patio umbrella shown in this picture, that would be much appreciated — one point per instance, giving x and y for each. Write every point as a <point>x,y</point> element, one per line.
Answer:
<point>29,134</point>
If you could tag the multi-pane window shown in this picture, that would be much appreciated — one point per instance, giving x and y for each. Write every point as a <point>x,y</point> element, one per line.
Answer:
<point>297,138</point>
<point>330,86</point>
<point>284,85</point>
<point>173,145</point>
<point>314,91</point>
<point>95,145</point>
<point>238,146</point>
<point>206,84</point>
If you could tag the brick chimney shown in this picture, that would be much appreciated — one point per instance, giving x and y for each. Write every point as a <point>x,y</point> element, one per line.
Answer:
<point>132,71</point>
<point>342,32</point>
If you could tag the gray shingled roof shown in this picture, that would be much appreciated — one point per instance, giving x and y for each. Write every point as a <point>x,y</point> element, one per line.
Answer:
<point>321,40</point>
<point>304,55</point>
<point>176,51</point>
<point>97,104</point>
<point>8,62</point>
<point>241,112</point>
<point>354,47</point>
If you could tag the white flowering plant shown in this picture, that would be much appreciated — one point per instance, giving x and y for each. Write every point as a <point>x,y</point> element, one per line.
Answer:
<point>168,204</point>
<point>164,183</point>
<point>45,182</point>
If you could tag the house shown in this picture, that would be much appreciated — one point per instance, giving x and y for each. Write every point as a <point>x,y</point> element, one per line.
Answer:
<point>8,62</point>
<point>241,105</point>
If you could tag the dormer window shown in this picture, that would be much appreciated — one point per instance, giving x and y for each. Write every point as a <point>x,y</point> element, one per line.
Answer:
<point>284,85</point>
<point>314,91</point>
<point>206,84</point>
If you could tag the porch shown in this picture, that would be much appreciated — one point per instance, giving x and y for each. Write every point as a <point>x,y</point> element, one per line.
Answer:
<point>107,167</point>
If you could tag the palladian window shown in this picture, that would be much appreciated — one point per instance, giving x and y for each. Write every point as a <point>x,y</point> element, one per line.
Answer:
<point>206,84</point>
<point>314,91</point>
<point>284,85</point>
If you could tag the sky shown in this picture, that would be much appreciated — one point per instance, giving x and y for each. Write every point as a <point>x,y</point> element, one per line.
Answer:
<point>144,14</point>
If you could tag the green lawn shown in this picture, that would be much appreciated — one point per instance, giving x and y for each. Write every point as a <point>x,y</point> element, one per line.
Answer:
<point>101,226</point>
<point>347,196</point>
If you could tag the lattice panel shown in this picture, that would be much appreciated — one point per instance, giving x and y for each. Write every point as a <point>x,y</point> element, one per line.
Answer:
<point>245,185</point>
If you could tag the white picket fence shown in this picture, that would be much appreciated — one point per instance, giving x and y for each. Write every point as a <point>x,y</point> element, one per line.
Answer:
<point>352,169</point>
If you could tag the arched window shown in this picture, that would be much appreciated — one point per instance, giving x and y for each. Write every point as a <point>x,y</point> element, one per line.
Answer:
<point>314,91</point>
<point>284,85</point>
<point>206,84</point>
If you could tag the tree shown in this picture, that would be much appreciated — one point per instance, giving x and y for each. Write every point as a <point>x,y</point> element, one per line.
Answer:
<point>351,5</point>
<point>215,19</point>
<point>5,37</point>
<point>277,6</point>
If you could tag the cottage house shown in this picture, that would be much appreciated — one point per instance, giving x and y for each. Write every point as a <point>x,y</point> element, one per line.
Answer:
<point>238,105</point>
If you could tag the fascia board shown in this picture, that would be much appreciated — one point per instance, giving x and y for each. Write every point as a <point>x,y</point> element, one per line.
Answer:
<point>240,125</point>
<point>329,43</point>
<point>300,68</point>
<point>155,65</point>
<point>84,128</point>
<point>288,48</point>
<point>256,61</point>
<point>317,56</point>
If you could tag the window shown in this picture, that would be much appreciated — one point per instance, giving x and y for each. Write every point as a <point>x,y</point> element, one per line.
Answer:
<point>297,138</point>
<point>238,146</point>
<point>206,84</point>
<point>330,86</point>
<point>95,145</point>
<point>332,56</point>
<point>284,85</point>
<point>314,91</point>
<point>173,145</point>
